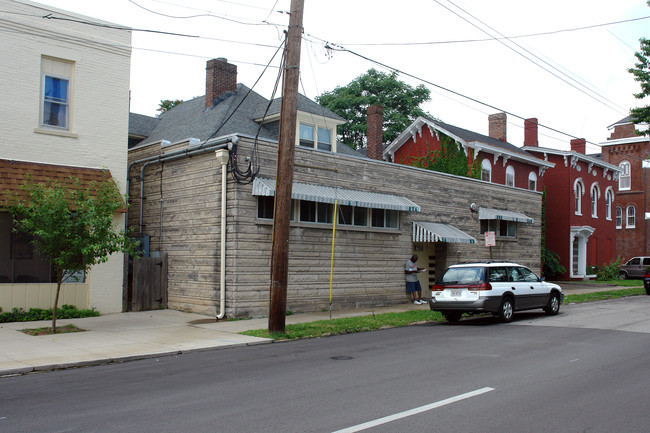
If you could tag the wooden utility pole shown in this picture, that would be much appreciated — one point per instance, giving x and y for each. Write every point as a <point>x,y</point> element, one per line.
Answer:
<point>284,172</point>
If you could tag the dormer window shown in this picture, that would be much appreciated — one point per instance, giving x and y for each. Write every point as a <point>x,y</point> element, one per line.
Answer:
<point>315,137</point>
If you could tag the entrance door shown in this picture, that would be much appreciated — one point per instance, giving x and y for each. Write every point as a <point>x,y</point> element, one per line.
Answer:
<point>149,283</point>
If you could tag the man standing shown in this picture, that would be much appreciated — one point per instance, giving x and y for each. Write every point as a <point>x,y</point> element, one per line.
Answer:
<point>412,281</point>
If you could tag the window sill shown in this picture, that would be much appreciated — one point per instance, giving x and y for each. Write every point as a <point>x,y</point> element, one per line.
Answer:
<point>58,133</point>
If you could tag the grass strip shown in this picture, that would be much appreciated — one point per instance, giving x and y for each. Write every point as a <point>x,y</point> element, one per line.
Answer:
<point>347,325</point>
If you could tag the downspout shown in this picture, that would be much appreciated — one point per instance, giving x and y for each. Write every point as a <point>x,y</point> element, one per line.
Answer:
<point>222,157</point>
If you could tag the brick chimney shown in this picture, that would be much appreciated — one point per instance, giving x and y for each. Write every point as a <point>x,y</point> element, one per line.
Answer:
<point>220,77</point>
<point>497,126</point>
<point>374,132</point>
<point>623,131</point>
<point>579,145</point>
<point>530,132</point>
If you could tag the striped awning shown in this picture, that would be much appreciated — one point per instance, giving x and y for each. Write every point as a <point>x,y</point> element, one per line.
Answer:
<point>506,215</point>
<point>345,197</point>
<point>437,232</point>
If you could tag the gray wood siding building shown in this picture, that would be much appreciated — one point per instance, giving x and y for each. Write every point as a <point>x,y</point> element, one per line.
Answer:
<point>181,213</point>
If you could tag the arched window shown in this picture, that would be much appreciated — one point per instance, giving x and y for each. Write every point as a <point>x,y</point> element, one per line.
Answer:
<point>624,179</point>
<point>578,190</point>
<point>619,217</point>
<point>486,170</point>
<point>595,195</point>
<point>510,176</point>
<point>532,181</point>
<point>631,220</point>
<point>609,200</point>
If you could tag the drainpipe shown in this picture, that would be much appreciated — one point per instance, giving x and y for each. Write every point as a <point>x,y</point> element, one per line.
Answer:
<point>222,157</point>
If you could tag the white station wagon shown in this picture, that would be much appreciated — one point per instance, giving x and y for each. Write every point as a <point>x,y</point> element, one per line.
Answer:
<point>500,288</point>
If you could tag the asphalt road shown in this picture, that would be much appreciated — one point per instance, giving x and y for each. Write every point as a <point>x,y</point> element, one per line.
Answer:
<point>585,370</point>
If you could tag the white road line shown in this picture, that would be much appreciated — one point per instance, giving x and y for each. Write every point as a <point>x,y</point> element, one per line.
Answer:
<point>415,411</point>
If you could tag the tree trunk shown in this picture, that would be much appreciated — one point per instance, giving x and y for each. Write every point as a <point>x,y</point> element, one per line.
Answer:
<point>59,280</point>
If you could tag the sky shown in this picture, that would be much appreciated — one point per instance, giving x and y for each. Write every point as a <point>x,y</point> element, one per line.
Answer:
<point>563,62</point>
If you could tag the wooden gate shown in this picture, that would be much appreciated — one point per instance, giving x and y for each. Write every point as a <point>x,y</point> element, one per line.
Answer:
<point>149,283</point>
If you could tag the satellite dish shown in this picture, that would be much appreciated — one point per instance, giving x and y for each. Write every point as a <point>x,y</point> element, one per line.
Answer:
<point>473,207</point>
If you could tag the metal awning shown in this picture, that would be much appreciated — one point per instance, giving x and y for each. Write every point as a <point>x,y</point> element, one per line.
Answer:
<point>437,232</point>
<point>506,215</point>
<point>345,197</point>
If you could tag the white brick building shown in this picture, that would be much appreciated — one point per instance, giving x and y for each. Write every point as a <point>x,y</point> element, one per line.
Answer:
<point>66,104</point>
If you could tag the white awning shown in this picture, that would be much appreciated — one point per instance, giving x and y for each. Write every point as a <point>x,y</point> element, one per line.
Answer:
<point>437,232</point>
<point>506,215</point>
<point>345,197</point>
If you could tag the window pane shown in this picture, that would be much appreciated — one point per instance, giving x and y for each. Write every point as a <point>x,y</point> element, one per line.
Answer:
<point>345,215</point>
<point>377,217</point>
<point>265,207</point>
<point>360,216</point>
<point>55,102</point>
<point>324,139</point>
<point>512,229</point>
<point>392,219</point>
<point>324,212</point>
<point>307,211</point>
<point>306,135</point>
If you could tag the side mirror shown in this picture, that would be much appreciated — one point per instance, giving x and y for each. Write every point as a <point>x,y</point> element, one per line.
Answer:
<point>541,279</point>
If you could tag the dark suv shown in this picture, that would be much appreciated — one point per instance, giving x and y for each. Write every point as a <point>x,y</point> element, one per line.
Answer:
<point>500,288</point>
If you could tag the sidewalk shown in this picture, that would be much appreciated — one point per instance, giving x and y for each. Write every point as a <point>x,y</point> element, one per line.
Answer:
<point>129,336</point>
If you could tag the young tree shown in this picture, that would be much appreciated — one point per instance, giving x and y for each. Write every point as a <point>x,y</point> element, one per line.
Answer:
<point>168,104</point>
<point>70,224</point>
<point>641,73</point>
<point>400,102</point>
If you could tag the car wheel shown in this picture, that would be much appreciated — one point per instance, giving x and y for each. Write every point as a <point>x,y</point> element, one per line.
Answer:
<point>623,275</point>
<point>553,306</point>
<point>506,310</point>
<point>452,316</point>
<point>647,291</point>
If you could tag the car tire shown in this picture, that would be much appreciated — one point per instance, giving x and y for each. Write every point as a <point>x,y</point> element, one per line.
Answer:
<point>553,306</point>
<point>623,275</point>
<point>506,310</point>
<point>647,291</point>
<point>452,316</point>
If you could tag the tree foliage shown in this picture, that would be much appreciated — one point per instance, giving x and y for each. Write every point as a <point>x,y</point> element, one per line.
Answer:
<point>641,73</point>
<point>400,102</point>
<point>71,225</point>
<point>168,104</point>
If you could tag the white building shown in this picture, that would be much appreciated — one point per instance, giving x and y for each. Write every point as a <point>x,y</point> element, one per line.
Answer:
<point>65,112</point>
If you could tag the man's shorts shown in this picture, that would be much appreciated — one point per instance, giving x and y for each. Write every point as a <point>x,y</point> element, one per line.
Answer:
<point>413,286</point>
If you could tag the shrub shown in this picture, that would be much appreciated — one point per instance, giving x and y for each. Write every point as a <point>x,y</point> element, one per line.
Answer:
<point>65,312</point>
<point>551,263</point>
<point>609,271</point>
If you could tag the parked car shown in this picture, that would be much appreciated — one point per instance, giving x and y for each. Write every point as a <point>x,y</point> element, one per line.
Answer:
<point>646,283</point>
<point>635,267</point>
<point>500,288</point>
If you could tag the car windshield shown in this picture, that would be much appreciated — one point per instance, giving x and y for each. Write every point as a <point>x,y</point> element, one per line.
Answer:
<point>465,275</point>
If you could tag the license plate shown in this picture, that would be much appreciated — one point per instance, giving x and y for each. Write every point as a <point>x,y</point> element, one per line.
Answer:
<point>456,293</point>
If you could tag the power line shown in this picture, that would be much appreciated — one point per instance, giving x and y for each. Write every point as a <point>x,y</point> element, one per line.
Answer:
<point>551,32</point>
<point>528,58</point>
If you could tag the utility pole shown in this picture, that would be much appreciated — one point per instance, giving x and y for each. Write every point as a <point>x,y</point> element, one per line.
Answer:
<point>284,171</point>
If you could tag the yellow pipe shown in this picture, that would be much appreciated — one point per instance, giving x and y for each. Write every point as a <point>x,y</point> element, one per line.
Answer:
<point>332,260</point>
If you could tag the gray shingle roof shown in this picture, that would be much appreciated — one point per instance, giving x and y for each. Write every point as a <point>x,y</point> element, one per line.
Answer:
<point>192,119</point>
<point>141,125</point>
<point>470,136</point>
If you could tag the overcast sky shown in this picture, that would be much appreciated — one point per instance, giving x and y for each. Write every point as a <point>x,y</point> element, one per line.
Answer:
<point>573,78</point>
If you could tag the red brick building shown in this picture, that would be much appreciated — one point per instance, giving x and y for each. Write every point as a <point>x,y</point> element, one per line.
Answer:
<point>501,162</point>
<point>630,151</point>
<point>580,195</point>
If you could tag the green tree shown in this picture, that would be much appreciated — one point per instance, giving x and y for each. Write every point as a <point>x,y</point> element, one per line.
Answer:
<point>400,102</point>
<point>641,73</point>
<point>70,224</point>
<point>168,104</point>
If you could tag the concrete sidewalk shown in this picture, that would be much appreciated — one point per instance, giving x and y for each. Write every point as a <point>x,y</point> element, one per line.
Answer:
<point>129,336</point>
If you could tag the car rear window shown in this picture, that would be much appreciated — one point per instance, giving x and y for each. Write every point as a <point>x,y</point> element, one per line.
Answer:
<point>468,275</point>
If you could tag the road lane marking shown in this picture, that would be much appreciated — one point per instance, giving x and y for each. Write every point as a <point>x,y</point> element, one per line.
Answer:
<point>415,411</point>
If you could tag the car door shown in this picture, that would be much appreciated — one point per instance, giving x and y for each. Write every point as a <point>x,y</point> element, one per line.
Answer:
<point>520,288</point>
<point>536,289</point>
<point>633,268</point>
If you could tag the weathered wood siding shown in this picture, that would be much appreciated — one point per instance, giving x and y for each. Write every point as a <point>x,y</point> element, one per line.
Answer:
<point>368,263</point>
